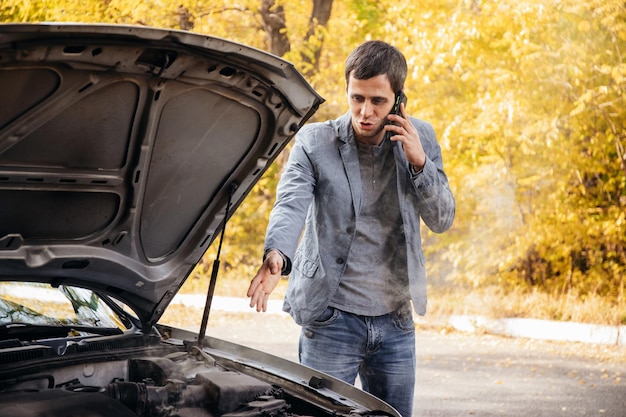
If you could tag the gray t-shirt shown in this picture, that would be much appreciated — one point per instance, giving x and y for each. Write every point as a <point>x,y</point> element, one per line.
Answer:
<point>375,281</point>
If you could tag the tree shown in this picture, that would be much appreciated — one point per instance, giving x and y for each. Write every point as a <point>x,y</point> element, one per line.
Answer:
<point>533,96</point>
<point>314,38</point>
<point>526,96</point>
<point>275,27</point>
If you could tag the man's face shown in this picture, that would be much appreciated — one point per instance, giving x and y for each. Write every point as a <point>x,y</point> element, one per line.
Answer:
<point>370,102</point>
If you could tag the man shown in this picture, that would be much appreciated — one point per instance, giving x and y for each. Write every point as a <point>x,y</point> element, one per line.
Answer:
<point>359,195</point>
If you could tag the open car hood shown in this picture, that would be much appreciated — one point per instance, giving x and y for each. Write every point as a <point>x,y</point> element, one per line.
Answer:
<point>120,147</point>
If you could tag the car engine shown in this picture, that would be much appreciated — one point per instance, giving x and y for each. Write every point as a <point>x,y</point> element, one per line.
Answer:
<point>158,382</point>
<point>174,385</point>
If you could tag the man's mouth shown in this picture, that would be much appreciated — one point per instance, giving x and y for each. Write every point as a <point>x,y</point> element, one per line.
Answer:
<point>366,125</point>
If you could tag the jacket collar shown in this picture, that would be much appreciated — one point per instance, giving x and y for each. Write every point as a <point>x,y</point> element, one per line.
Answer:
<point>345,133</point>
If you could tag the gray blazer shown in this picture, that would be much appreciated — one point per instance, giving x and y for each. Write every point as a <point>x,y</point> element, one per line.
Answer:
<point>320,191</point>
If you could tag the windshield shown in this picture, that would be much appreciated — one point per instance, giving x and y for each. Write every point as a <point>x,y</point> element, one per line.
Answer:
<point>44,305</point>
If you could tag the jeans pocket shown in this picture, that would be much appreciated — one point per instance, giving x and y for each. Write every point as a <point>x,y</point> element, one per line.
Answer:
<point>403,318</point>
<point>328,316</point>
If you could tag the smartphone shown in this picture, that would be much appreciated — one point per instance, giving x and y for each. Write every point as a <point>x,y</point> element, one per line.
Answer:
<point>400,98</point>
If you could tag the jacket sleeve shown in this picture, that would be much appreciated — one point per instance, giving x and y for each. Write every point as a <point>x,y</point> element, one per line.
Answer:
<point>435,200</point>
<point>294,194</point>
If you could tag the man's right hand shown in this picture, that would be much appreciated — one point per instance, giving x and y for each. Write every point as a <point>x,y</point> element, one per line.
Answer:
<point>265,280</point>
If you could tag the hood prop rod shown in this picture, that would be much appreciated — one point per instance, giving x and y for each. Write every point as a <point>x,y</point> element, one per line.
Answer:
<point>214,272</point>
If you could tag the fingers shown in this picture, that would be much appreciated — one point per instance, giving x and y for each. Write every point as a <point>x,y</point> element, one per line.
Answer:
<point>406,133</point>
<point>259,299</point>
<point>402,131</point>
<point>254,284</point>
<point>403,126</point>
<point>403,112</point>
<point>256,291</point>
<point>263,284</point>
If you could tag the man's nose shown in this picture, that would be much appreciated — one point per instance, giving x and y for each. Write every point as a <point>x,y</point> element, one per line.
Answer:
<point>367,109</point>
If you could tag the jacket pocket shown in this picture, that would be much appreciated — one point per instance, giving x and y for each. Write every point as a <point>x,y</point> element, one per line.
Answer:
<point>306,265</point>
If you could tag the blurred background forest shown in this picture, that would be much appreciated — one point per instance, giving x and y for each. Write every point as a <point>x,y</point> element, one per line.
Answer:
<point>527,98</point>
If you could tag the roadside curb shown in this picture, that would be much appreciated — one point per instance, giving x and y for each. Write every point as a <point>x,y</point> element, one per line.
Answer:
<point>543,329</point>
<point>228,304</point>
<point>512,327</point>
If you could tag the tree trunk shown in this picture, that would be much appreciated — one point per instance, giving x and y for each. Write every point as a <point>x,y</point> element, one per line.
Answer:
<point>319,17</point>
<point>275,28</point>
<point>185,19</point>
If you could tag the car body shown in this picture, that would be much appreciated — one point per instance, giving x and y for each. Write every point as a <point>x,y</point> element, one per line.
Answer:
<point>124,151</point>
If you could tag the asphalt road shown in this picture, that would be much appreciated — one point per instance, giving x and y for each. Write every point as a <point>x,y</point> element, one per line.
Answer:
<point>462,374</point>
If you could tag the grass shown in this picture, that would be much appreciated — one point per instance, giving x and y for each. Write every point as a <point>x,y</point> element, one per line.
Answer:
<point>493,302</point>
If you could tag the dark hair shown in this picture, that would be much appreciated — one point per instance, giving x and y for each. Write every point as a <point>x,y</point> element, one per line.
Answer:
<point>374,58</point>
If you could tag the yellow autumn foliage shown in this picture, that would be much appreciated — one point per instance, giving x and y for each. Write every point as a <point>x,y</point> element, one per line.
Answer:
<point>527,98</point>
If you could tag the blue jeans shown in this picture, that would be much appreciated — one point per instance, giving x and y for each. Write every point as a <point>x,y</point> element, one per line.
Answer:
<point>380,349</point>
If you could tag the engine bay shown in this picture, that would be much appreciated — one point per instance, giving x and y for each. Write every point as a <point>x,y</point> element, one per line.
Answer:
<point>178,383</point>
<point>100,367</point>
